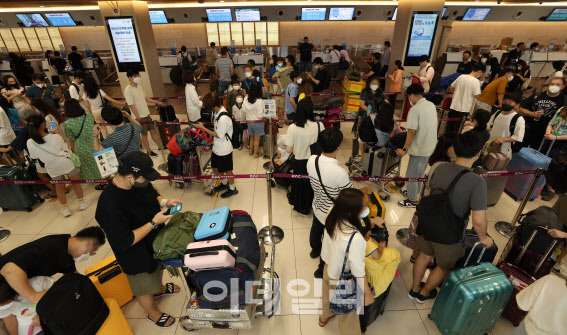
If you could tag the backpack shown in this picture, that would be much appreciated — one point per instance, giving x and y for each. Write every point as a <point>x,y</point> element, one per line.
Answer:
<point>366,131</point>
<point>72,306</point>
<point>435,82</point>
<point>305,53</point>
<point>542,216</point>
<point>167,113</point>
<point>236,131</point>
<point>518,145</point>
<point>171,242</point>
<point>67,93</point>
<point>185,62</point>
<point>556,174</point>
<point>187,139</point>
<point>437,221</point>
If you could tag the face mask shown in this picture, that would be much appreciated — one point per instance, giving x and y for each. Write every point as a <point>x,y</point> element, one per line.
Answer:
<point>483,60</point>
<point>248,74</point>
<point>299,80</point>
<point>239,100</point>
<point>510,78</point>
<point>364,213</point>
<point>81,258</point>
<point>554,89</point>
<point>7,305</point>
<point>465,59</point>
<point>137,80</point>
<point>236,87</point>
<point>518,67</point>
<point>507,107</point>
<point>280,64</point>
<point>374,87</point>
<point>140,185</point>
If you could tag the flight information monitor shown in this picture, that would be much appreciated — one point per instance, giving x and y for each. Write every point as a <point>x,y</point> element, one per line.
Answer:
<point>341,13</point>
<point>476,14</point>
<point>124,41</point>
<point>219,15</point>
<point>396,13</point>
<point>559,14</point>
<point>313,14</point>
<point>157,17</point>
<point>422,35</point>
<point>60,19</point>
<point>32,20</point>
<point>247,14</point>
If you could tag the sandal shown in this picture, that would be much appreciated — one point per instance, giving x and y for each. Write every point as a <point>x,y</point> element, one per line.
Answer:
<point>323,324</point>
<point>50,196</point>
<point>100,187</point>
<point>169,290</point>
<point>162,321</point>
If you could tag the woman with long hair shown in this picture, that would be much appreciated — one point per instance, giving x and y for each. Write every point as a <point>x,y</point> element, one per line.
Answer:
<point>193,103</point>
<point>300,135</point>
<point>79,130</point>
<point>94,99</point>
<point>53,151</point>
<point>344,230</point>
<point>53,118</point>
<point>254,111</point>
<point>13,92</point>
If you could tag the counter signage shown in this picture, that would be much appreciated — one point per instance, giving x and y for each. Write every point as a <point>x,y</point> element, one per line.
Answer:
<point>558,14</point>
<point>422,35</point>
<point>32,20</point>
<point>313,14</point>
<point>124,42</point>
<point>219,15</point>
<point>247,14</point>
<point>60,19</point>
<point>341,14</point>
<point>476,14</point>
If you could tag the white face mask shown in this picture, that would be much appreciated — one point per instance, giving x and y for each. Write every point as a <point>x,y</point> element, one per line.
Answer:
<point>239,100</point>
<point>236,87</point>
<point>82,258</point>
<point>7,305</point>
<point>374,87</point>
<point>364,213</point>
<point>299,80</point>
<point>137,80</point>
<point>280,64</point>
<point>510,78</point>
<point>483,60</point>
<point>553,89</point>
<point>248,74</point>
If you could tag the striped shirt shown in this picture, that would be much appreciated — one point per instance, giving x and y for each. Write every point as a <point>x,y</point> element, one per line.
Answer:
<point>334,177</point>
<point>120,138</point>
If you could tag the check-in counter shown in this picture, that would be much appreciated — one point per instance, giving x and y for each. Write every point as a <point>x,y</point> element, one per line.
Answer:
<point>5,69</point>
<point>166,63</point>
<point>241,60</point>
<point>324,56</point>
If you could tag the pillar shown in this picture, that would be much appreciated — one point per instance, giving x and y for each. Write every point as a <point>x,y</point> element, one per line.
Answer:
<point>152,81</point>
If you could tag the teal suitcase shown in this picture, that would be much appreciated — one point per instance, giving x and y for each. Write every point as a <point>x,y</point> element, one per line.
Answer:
<point>471,299</point>
<point>17,196</point>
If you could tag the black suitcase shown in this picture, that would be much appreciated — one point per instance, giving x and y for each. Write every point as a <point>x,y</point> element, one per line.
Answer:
<point>14,196</point>
<point>372,311</point>
<point>166,132</point>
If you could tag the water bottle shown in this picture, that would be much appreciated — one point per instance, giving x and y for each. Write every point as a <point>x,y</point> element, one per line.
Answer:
<point>368,110</point>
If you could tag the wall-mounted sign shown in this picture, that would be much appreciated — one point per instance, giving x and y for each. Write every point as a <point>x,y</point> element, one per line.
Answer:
<point>422,36</point>
<point>124,40</point>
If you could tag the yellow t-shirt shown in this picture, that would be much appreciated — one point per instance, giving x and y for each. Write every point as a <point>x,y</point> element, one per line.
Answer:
<point>380,273</point>
<point>490,93</point>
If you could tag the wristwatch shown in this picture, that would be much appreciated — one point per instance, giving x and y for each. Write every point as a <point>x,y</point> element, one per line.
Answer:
<point>154,225</point>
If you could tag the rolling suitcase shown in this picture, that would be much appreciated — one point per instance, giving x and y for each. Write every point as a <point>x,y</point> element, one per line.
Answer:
<point>372,311</point>
<point>210,255</point>
<point>471,238</point>
<point>115,323</point>
<point>166,132</point>
<point>471,299</point>
<point>14,196</point>
<point>110,281</point>
<point>495,185</point>
<point>377,161</point>
<point>191,165</point>
<point>214,224</point>
<point>376,206</point>
<point>495,161</point>
<point>526,159</point>
<point>175,164</point>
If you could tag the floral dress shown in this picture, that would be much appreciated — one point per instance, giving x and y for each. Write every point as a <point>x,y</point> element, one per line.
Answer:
<point>84,147</point>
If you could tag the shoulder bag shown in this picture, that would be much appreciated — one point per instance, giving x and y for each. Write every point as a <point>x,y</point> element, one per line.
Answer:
<point>321,180</point>
<point>316,147</point>
<point>347,296</point>
<point>103,102</point>
<point>72,156</point>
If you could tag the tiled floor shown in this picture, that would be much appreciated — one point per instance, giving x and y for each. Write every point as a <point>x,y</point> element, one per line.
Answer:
<point>293,264</point>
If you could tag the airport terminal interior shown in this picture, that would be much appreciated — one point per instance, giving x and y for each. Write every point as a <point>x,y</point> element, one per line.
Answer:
<point>347,64</point>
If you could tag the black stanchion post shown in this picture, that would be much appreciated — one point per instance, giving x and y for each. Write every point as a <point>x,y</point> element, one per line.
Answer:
<point>507,228</point>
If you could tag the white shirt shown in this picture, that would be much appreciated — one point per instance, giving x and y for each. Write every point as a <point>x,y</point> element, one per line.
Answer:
<point>137,97</point>
<point>192,103</point>
<point>23,309</point>
<point>501,128</point>
<point>253,111</point>
<point>96,103</point>
<point>422,118</point>
<point>334,177</point>
<point>301,138</point>
<point>426,75</point>
<point>77,94</point>
<point>238,112</point>
<point>546,301</point>
<point>7,134</point>
<point>54,153</point>
<point>466,87</point>
<point>19,102</point>
<point>334,249</point>
<point>334,56</point>
<point>223,126</point>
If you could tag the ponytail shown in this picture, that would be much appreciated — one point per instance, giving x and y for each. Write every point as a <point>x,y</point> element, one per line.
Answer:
<point>34,124</point>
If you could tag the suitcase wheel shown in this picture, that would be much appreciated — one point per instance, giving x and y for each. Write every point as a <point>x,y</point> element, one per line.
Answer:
<point>41,200</point>
<point>400,184</point>
<point>29,209</point>
<point>180,185</point>
<point>385,197</point>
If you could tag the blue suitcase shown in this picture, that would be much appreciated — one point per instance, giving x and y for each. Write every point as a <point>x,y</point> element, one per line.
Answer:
<point>526,159</point>
<point>215,224</point>
<point>471,299</point>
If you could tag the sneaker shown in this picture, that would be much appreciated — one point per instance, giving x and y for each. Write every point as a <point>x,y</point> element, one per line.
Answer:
<point>84,204</point>
<point>422,300</point>
<point>547,195</point>
<point>65,212</point>
<point>314,254</point>
<point>229,193</point>
<point>407,203</point>
<point>318,274</point>
<point>153,154</point>
<point>412,294</point>
<point>221,187</point>
<point>404,193</point>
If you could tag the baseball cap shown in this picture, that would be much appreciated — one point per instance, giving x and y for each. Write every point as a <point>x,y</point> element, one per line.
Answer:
<point>140,164</point>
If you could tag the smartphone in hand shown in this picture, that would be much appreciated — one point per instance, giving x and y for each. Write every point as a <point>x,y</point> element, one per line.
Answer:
<point>174,209</point>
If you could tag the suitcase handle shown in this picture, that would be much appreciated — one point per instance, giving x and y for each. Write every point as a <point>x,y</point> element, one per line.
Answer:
<point>529,242</point>
<point>472,250</point>
<point>103,278</point>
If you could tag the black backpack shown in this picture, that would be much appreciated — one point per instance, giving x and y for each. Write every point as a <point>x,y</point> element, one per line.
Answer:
<point>436,81</point>
<point>72,306</point>
<point>542,216</point>
<point>185,62</point>
<point>366,131</point>
<point>518,145</point>
<point>67,93</point>
<point>167,113</point>
<point>305,53</point>
<point>236,131</point>
<point>437,221</point>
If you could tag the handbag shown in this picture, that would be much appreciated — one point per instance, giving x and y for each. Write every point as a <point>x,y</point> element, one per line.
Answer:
<point>321,180</point>
<point>72,156</point>
<point>346,298</point>
<point>316,147</point>
<point>103,102</point>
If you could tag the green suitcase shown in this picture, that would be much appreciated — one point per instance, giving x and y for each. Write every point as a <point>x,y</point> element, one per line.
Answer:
<point>471,299</point>
<point>16,196</point>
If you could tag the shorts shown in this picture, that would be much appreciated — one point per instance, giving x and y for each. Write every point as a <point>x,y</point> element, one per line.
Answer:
<point>70,174</point>
<point>12,153</point>
<point>305,66</point>
<point>256,129</point>
<point>446,255</point>
<point>222,163</point>
<point>146,283</point>
<point>147,127</point>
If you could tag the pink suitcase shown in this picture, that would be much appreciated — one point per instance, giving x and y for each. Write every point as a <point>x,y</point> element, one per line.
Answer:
<point>210,255</point>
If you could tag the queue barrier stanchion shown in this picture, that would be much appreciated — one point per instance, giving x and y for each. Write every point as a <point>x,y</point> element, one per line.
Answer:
<point>507,229</point>
<point>462,125</point>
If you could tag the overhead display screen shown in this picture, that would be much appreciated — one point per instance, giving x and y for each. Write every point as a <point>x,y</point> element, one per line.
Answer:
<point>247,14</point>
<point>341,14</point>
<point>559,14</point>
<point>219,15</point>
<point>396,13</point>
<point>124,42</point>
<point>157,17</point>
<point>60,19</point>
<point>422,36</point>
<point>476,14</point>
<point>313,14</point>
<point>32,20</point>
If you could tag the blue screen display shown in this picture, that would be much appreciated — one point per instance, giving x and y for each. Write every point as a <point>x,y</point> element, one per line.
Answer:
<point>219,15</point>
<point>313,14</point>
<point>60,19</point>
<point>476,14</point>
<point>157,17</point>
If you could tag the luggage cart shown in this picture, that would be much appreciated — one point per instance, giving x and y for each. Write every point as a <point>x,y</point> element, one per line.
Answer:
<point>204,157</point>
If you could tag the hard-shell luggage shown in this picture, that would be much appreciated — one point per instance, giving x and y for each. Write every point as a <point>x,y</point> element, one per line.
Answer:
<point>17,196</point>
<point>471,238</point>
<point>372,311</point>
<point>526,159</point>
<point>495,161</point>
<point>110,281</point>
<point>210,255</point>
<point>72,306</point>
<point>214,224</point>
<point>175,164</point>
<point>166,132</point>
<point>378,161</point>
<point>494,185</point>
<point>191,165</point>
<point>471,299</point>
<point>115,323</point>
<point>376,206</point>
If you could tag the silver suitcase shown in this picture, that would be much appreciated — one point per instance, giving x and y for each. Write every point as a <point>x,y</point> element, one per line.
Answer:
<point>377,162</point>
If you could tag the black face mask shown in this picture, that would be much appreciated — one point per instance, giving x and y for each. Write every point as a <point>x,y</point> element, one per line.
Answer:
<point>507,107</point>
<point>140,185</point>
